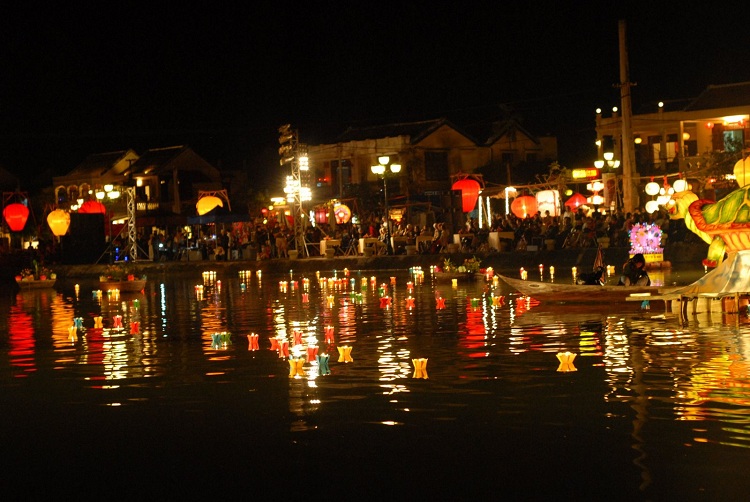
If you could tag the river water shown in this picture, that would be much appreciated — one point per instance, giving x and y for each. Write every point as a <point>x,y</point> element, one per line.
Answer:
<point>422,389</point>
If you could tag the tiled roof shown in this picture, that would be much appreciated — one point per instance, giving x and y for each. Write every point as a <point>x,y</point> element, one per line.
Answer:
<point>155,159</point>
<point>416,131</point>
<point>722,96</point>
<point>97,164</point>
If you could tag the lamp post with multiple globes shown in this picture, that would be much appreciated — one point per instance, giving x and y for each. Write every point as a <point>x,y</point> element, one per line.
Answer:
<point>384,168</point>
<point>109,193</point>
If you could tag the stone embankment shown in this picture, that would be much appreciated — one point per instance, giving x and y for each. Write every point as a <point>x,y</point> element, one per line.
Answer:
<point>679,255</point>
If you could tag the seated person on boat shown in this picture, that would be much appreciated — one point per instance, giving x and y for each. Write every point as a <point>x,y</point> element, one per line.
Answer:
<point>634,272</point>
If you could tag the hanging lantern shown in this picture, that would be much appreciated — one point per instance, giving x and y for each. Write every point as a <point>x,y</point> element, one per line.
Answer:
<point>58,221</point>
<point>575,201</point>
<point>15,216</point>
<point>524,206</point>
<point>742,171</point>
<point>342,213</point>
<point>548,200</point>
<point>321,215</point>
<point>469,193</point>
<point>652,188</point>
<point>207,204</point>
<point>92,207</point>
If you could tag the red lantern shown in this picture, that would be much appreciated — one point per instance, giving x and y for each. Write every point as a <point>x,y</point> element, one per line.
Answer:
<point>15,216</point>
<point>469,193</point>
<point>524,206</point>
<point>92,207</point>
<point>575,200</point>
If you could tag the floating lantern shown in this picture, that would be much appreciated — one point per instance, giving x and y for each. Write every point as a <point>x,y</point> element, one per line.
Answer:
<point>135,327</point>
<point>498,301</point>
<point>297,337</point>
<point>469,193</point>
<point>312,353</point>
<point>305,298</point>
<point>454,282</point>
<point>296,367</point>
<point>98,322</point>
<point>385,302</point>
<point>409,286</point>
<point>552,272</point>
<point>16,215</point>
<point>566,361</point>
<point>474,303</point>
<point>329,334</point>
<point>440,302</point>
<point>252,341</point>
<point>524,274</point>
<point>283,348</point>
<point>58,221</point>
<point>322,361</point>
<point>575,272</point>
<point>524,206</point>
<point>345,354</point>
<point>410,303</point>
<point>275,343</point>
<point>78,322</point>
<point>420,368</point>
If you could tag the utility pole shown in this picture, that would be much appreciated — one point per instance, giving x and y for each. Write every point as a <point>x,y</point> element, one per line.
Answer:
<point>629,174</point>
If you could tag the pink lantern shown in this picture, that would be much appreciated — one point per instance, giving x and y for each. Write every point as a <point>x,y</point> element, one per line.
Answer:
<point>469,193</point>
<point>15,216</point>
<point>524,206</point>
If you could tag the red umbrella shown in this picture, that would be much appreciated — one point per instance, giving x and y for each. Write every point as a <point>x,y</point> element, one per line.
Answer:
<point>576,200</point>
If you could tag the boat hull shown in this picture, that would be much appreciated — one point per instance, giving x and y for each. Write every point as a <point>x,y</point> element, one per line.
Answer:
<point>569,293</point>
<point>36,284</point>
<point>124,286</point>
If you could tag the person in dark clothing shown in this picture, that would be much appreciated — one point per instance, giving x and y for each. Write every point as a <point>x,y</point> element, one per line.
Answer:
<point>595,278</point>
<point>634,272</point>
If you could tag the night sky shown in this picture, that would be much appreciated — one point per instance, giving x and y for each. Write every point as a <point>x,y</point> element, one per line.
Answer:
<point>221,77</point>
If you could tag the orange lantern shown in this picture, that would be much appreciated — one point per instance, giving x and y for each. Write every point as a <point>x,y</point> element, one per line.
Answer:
<point>469,193</point>
<point>15,216</point>
<point>524,206</point>
<point>58,221</point>
<point>342,213</point>
<point>92,207</point>
<point>207,204</point>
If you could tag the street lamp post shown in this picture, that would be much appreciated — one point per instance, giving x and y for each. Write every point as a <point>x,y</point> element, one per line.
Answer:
<point>384,168</point>
<point>109,193</point>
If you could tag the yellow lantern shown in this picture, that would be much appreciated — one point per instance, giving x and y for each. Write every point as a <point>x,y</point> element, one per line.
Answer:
<point>58,221</point>
<point>207,204</point>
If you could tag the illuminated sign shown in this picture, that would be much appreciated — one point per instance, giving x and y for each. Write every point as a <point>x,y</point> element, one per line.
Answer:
<point>589,172</point>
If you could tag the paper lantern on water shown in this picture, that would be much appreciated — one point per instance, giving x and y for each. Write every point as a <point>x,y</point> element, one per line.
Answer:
<point>15,216</point>
<point>207,204</point>
<point>92,207</point>
<point>58,221</point>
<point>524,206</point>
<point>343,213</point>
<point>469,193</point>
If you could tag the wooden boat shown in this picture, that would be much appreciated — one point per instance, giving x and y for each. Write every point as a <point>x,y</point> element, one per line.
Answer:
<point>36,284</point>
<point>570,293</point>
<point>133,286</point>
<point>460,276</point>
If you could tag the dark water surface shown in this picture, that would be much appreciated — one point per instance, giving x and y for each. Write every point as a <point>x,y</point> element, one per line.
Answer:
<point>184,407</point>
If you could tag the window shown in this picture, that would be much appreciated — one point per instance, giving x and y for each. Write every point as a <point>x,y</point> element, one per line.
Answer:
<point>734,139</point>
<point>436,166</point>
